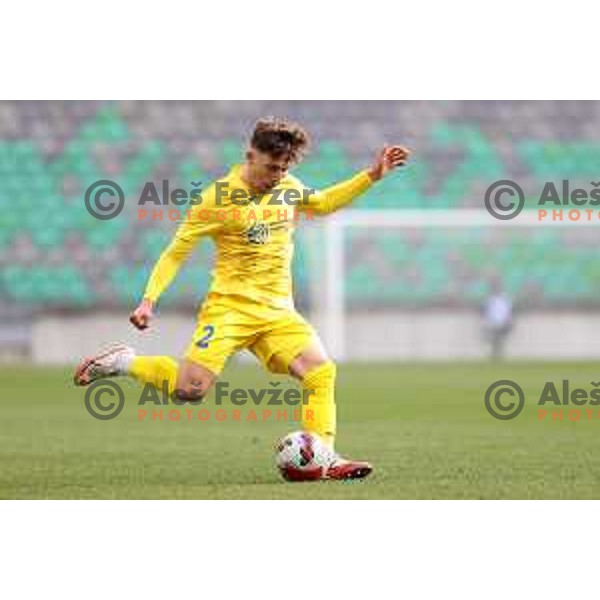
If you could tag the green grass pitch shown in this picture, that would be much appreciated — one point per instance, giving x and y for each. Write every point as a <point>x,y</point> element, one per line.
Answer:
<point>424,427</point>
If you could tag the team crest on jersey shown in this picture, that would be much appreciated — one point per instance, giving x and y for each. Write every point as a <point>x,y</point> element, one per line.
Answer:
<point>258,233</point>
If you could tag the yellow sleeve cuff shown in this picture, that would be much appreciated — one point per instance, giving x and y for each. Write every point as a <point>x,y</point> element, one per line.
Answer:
<point>343,193</point>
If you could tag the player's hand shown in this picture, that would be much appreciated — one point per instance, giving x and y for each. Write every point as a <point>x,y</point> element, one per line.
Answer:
<point>389,158</point>
<point>141,316</point>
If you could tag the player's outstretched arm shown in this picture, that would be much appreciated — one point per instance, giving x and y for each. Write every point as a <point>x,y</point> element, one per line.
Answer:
<point>187,236</point>
<point>341,194</point>
<point>163,273</point>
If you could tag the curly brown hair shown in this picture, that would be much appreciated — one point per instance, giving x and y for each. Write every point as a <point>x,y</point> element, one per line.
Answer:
<point>278,137</point>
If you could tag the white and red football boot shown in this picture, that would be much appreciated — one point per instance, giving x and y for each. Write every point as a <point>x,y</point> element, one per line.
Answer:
<point>339,469</point>
<point>111,362</point>
<point>304,456</point>
<point>343,469</point>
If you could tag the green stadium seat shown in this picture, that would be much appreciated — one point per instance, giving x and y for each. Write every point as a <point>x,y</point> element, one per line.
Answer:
<point>398,267</point>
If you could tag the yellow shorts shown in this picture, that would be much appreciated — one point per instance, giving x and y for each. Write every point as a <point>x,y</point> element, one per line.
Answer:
<point>228,324</point>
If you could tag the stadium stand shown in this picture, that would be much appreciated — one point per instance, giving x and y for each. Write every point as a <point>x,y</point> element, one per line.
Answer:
<point>53,253</point>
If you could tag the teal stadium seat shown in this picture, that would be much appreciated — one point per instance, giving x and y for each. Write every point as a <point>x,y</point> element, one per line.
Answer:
<point>41,188</point>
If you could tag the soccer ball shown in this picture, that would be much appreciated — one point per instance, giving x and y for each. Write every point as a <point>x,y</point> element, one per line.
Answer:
<point>302,456</point>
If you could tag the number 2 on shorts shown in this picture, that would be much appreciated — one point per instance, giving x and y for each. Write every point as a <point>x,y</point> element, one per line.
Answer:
<point>209,331</point>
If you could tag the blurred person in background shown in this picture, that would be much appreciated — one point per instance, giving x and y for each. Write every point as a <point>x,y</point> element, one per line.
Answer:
<point>498,319</point>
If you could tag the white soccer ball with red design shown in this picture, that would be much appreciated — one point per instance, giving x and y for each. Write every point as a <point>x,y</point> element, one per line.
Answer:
<point>303,456</point>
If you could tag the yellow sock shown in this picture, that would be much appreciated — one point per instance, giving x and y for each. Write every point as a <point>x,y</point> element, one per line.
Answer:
<point>155,370</point>
<point>318,415</point>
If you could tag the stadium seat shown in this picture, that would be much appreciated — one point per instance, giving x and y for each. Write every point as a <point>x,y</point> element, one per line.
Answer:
<point>460,148</point>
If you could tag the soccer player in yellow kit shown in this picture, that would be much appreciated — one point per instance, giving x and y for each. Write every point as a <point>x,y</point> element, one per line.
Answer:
<point>250,214</point>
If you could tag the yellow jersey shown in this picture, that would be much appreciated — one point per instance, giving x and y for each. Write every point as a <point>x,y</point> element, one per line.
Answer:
<point>253,235</point>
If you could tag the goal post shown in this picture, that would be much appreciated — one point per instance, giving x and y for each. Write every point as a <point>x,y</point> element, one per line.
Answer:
<point>326,246</point>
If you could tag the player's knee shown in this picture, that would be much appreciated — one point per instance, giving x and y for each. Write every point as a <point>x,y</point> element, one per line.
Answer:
<point>189,393</point>
<point>193,382</point>
<point>189,388</point>
<point>310,361</point>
